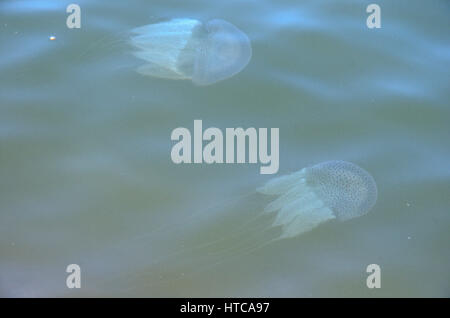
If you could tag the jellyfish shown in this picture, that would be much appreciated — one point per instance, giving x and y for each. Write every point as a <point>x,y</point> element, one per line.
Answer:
<point>187,49</point>
<point>282,209</point>
<point>330,190</point>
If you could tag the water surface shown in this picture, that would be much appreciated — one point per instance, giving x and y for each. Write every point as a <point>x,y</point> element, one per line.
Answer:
<point>86,175</point>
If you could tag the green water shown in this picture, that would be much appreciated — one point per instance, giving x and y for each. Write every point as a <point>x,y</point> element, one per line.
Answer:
<point>86,175</point>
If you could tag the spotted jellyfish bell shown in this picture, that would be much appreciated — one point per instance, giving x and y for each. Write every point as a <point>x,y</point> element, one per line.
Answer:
<point>329,190</point>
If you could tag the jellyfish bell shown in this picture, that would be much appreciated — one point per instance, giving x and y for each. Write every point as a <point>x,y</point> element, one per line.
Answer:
<point>224,53</point>
<point>187,49</point>
<point>329,190</point>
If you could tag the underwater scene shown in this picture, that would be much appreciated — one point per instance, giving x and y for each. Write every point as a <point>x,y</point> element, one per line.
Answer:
<point>242,148</point>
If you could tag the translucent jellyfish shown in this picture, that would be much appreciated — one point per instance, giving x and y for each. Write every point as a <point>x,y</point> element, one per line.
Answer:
<point>202,241</point>
<point>329,190</point>
<point>187,49</point>
<point>305,199</point>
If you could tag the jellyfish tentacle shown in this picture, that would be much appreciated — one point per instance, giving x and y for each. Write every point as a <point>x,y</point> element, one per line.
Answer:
<point>200,270</point>
<point>242,230</point>
<point>161,44</point>
<point>107,41</point>
<point>160,72</point>
<point>299,193</point>
<point>245,237</point>
<point>282,184</point>
<point>307,220</point>
<point>191,219</point>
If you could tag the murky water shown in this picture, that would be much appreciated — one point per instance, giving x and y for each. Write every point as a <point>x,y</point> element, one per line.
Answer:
<point>86,175</point>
